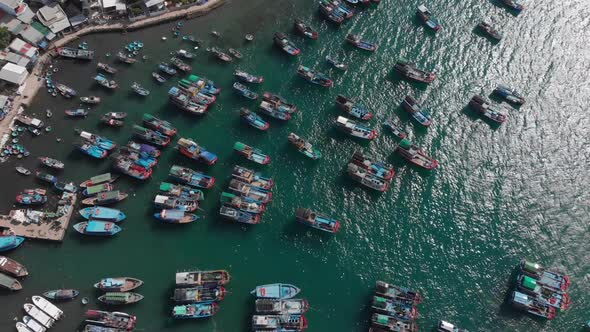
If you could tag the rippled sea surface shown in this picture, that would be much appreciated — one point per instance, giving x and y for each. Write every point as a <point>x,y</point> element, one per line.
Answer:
<point>456,234</point>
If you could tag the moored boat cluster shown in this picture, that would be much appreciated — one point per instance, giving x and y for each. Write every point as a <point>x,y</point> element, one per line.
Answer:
<point>394,308</point>
<point>41,315</point>
<point>277,310</point>
<point>197,292</point>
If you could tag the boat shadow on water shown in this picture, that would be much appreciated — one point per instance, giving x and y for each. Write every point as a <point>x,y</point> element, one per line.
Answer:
<point>500,5</point>
<point>474,116</point>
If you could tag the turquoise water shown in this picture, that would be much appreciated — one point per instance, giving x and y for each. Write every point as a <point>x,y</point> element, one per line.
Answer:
<point>456,234</point>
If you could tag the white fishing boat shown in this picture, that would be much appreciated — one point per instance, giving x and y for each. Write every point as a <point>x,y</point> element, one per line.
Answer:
<point>21,327</point>
<point>48,307</point>
<point>39,315</point>
<point>33,325</point>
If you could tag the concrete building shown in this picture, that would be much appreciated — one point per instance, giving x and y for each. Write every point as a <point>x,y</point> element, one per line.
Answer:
<point>14,74</point>
<point>114,7</point>
<point>155,5</point>
<point>53,17</point>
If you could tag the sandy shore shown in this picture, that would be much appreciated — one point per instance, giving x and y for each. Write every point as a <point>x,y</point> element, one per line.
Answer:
<point>35,80</point>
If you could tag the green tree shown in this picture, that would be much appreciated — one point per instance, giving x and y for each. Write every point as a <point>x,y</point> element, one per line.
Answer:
<point>5,37</point>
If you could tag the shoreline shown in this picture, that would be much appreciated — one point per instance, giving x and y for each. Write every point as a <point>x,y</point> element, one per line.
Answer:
<point>35,79</point>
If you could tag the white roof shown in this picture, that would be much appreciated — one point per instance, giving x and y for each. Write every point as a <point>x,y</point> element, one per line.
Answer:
<point>108,3</point>
<point>150,3</point>
<point>160,199</point>
<point>13,73</point>
<point>53,17</point>
<point>3,101</point>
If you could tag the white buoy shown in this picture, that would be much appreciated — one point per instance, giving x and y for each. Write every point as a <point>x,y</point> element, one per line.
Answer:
<point>164,38</point>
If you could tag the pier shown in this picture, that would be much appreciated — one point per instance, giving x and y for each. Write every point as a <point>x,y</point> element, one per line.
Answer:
<point>40,225</point>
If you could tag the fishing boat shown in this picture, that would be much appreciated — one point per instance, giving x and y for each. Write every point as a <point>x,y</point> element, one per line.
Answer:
<point>395,129</point>
<point>398,310</point>
<point>111,121</point>
<point>317,220</point>
<point>120,284</point>
<point>273,111</point>
<point>220,55</point>
<point>409,71</point>
<point>91,150</point>
<point>235,53</point>
<point>98,179</point>
<point>410,105</point>
<point>304,146</point>
<point>185,54</point>
<point>46,177</point>
<point>97,228</point>
<point>398,293</point>
<point>175,216</point>
<point>96,328</point>
<point>494,113</point>
<point>138,158</point>
<point>143,148</point>
<point>253,119</point>
<point>279,102</point>
<point>77,113</point>
<point>238,215</point>
<point>29,121</point>
<point>75,53</point>
<point>100,141</point>
<point>331,13</point>
<point>354,129</point>
<point>509,94</point>
<point>532,305</point>
<point>314,77</point>
<point>118,320</point>
<point>47,307</point>
<point>489,30</point>
<point>244,91</point>
<point>140,90</point>
<point>52,163</point>
<point>90,100</point>
<point>40,316</point>
<point>177,190</point>
<point>69,187</point>
<point>550,279</point>
<point>191,149</point>
<point>198,294</point>
<point>380,169</point>
<point>427,18</point>
<point>283,42</point>
<point>193,178</point>
<point>250,192</point>
<point>180,204</point>
<point>126,58</point>
<point>195,310</point>
<point>252,178</point>
<point>151,136</point>
<point>529,285</point>
<point>159,78</point>
<point>209,279</point>
<point>32,197</point>
<point>283,307</point>
<point>241,203</point>
<point>511,4</point>
<point>117,298</point>
<point>181,65</point>
<point>158,125</point>
<point>415,155</point>
<point>305,29</point>
<point>353,109</point>
<point>369,180</point>
<point>279,322</point>
<point>358,42</point>
<point>102,80</point>
<point>336,64</point>
<point>9,283</point>
<point>61,294</point>
<point>275,291</point>
<point>102,213</point>
<point>94,190</point>
<point>444,326</point>
<point>32,325</point>
<point>104,198</point>
<point>12,267</point>
<point>252,154</point>
<point>166,68</point>
<point>392,323</point>
<point>116,115</point>
<point>248,78</point>
<point>22,170</point>
<point>107,68</point>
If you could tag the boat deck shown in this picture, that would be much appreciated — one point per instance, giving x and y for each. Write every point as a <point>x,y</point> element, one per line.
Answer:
<point>40,225</point>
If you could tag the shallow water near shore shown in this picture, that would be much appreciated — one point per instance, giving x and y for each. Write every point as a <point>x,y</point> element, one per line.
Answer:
<point>455,234</point>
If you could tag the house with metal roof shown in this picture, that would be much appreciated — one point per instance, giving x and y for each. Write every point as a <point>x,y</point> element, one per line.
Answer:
<point>14,74</point>
<point>31,35</point>
<point>24,49</point>
<point>11,23</point>
<point>7,56</point>
<point>53,17</point>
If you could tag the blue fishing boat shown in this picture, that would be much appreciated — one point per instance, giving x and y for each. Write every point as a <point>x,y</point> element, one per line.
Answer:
<point>97,228</point>
<point>273,111</point>
<point>166,68</point>
<point>242,203</point>
<point>181,204</point>
<point>358,42</point>
<point>102,80</point>
<point>314,77</point>
<point>36,196</point>
<point>91,150</point>
<point>411,106</point>
<point>354,129</point>
<point>317,220</point>
<point>252,178</point>
<point>159,78</point>
<point>102,213</point>
<point>69,187</point>
<point>389,323</point>
<point>509,94</point>
<point>191,149</point>
<point>253,119</point>
<point>398,293</point>
<point>9,242</point>
<point>336,64</point>
<point>331,13</point>
<point>532,305</point>
<point>143,148</point>
<point>395,129</point>
<point>380,169</point>
<point>76,113</point>
<point>243,91</point>
<point>193,178</point>
<point>238,215</point>
<point>279,103</point>
<point>151,136</point>
<point>248,78</point>
<point>304,147</point>
<point>247,191</point>
<point>140,90</point>
<point>181,191</point>
<point>356,110</point>
<point>275,291</point>
<point>396,309</point>
<point>283,42</point>
<point>283,323</point>
<point>427,18</point>
<point>195,310</point>
<point>175,216</point>
<point>251,153</point>
<point>102,142</point>
<point>46,177</point>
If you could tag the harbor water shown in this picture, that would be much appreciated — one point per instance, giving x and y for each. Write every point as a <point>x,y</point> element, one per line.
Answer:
<point>456,233</point>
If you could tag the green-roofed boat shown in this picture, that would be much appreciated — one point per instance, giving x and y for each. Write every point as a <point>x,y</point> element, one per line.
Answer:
<point>98,179</point>
<point>195,310</point>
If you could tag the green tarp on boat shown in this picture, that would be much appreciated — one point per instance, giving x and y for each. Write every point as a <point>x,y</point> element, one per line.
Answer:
<point>405,144</point>
<point>529,283</point>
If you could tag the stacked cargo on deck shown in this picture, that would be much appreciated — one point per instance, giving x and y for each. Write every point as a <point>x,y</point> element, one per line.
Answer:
<point>540,291</point>
<point>394,308</point>
<point>277,310</point>
<point>95,146</point>
<point>247,195</point>
<point>197,293</point>
<point>194,95</point>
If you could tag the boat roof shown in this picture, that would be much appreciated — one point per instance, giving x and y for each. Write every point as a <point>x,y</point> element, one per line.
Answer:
<point>240,146</point>
<point>108,195</point>
<point>110,282</point>
<point>95,226</point>
<point>160,199</point>
<point>172,213</point>
<point>342,120</point>
<point>6,280</point>
<point>422,8</point>
<point>529,282</point>
<point>521,298</point>
<point>166,186</point>
<point>98,188</point>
